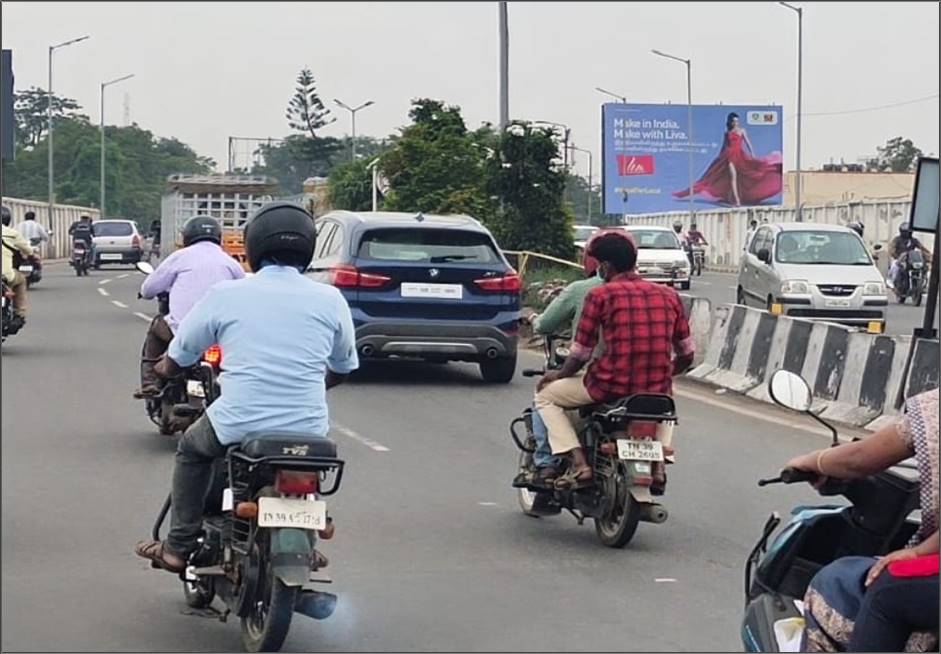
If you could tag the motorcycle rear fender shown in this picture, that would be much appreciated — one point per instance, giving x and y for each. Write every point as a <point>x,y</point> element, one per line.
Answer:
<point>641,494</point>
<point>292,552</point>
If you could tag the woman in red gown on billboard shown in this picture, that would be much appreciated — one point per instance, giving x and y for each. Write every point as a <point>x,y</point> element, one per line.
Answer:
<point>737,176</point>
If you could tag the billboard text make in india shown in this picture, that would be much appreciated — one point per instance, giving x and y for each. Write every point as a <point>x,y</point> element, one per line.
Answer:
<point>737,157</point>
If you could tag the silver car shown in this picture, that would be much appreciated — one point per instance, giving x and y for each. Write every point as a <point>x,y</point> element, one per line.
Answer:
<point>813,271</point>
<point>116,241</point>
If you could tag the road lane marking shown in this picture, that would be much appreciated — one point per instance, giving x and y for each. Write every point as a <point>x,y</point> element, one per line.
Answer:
<point>143,316</point>
<point>105,281</point>
<point>103,292</point>
<point>119,304</point>
<point>124,275</point>
<point>487,503</point>
<point>665,580</point>
<point>368,442</point>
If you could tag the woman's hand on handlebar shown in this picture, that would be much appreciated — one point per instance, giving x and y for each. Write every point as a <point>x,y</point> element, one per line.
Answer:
<point>808,463</point>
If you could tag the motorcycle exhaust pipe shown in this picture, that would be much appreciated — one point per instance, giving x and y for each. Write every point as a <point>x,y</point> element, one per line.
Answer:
<point>315,604</point>
<point>655,513</point>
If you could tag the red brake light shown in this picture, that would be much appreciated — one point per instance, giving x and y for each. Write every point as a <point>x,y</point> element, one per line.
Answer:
<point>293,482</point>
<point>350,277</point>
<point>135,242</point>
<point>509,283</point>
<point>213,356</point>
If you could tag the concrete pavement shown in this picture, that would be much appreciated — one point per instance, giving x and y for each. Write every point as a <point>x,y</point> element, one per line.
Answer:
<point>431,551</point>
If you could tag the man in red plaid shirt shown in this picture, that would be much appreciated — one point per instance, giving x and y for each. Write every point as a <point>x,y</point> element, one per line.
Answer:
<point>641,324</point>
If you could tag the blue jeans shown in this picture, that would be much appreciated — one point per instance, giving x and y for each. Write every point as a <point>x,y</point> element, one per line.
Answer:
<point>542,457</point>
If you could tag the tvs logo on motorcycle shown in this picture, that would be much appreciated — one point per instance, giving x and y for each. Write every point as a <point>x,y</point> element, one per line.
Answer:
<point>635,164</point>
<point>296,450</point>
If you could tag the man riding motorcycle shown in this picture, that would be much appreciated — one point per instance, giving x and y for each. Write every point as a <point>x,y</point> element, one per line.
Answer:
<point>186,275</point>
<point>902,244</point>
<point>564,311</point>
<point>30,229</point>
<point>13,243</point>
<point>286,339</point>
<point>634,361</point>
<point>694,237</point>
<point>82,230</point>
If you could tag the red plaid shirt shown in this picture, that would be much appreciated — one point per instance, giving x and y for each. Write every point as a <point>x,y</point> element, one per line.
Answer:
<point>641,323</point>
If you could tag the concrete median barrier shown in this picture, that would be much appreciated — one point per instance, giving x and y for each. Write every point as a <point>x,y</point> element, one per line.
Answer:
<point>699,315</point>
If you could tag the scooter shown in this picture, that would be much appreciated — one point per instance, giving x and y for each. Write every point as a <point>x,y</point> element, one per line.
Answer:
<point>699,256</point>
<point>31,268</point>
<point>778,571</point>
<point>620,443</point>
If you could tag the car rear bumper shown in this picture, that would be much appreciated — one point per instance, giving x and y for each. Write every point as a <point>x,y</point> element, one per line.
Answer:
<point>117,256</point>
<point>669,280</point>
<point>435,340</point>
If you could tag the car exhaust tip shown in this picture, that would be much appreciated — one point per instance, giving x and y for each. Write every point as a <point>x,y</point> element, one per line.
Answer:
<point>367,350</point>
<point>654,513</point>
<point>492,353</point>
<point>315,604</point>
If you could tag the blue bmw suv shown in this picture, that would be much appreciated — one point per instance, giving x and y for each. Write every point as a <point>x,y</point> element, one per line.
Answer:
<point>422,286</point>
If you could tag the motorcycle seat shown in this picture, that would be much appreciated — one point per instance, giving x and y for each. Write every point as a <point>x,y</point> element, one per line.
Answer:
<point>638,406</point>
<point>259,444</point>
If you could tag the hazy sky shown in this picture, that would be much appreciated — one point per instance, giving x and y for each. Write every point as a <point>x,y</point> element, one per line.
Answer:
<point>207,71</point>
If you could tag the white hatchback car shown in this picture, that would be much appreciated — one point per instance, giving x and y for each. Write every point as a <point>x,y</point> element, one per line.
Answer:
<point>810,270</point>
<point>660,258</point>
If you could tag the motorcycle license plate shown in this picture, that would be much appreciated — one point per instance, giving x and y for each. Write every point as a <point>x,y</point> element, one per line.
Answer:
<point>631,450</point>
<point>292,512</point>
<point>26,269</point>
<point>195,388</point>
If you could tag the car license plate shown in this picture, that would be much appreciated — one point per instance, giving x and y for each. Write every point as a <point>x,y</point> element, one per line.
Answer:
<point>839,304</point>
<point>433,291</point>
<point>291,512</point>
<point>194,388</point>
<point>111,256</point>
<point>26,269</point>
<point>632,450</point>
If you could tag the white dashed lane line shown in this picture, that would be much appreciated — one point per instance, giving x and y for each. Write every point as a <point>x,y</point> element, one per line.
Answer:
<point>368,442</point>
<point>124,275</point>
<point>143,316</point>
<point>103,292</point>
<point>105,281</point>
<point>119,304</point>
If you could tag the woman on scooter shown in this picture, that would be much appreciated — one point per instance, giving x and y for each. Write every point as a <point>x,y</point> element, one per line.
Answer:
<point>839,595</point>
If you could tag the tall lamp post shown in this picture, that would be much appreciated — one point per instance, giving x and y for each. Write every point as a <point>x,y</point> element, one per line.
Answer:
<point>689,117</point>
<point>53,48</point>
<point>800,64</point>
<point>353,111</point>
<point>101,182</point>
<point>622,98</point>
<point>575,148</point>
<point>504,38</point>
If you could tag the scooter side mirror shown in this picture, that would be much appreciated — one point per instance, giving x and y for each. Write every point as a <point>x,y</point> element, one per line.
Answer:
<point>144,267</point>
<point>790,391</point>
<point>877,246</point>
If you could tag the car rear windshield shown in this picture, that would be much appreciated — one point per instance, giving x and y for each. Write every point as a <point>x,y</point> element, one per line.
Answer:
<point>428,246</point>
<point>655,239</point>
<point>821,248</point>
<point>113,229</point>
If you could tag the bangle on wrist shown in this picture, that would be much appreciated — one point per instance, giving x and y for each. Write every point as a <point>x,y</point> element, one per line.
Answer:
<point>820,462</point>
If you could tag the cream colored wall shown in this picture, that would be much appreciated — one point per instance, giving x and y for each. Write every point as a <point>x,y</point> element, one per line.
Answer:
<point>819,188</point>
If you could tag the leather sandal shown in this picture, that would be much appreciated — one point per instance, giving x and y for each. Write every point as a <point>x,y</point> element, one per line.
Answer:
<point>574,478</point>
<point>159,556</point>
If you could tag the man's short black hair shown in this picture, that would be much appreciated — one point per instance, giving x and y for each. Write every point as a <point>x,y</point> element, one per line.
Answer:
<point>29,215</point>
<point>615,250</point>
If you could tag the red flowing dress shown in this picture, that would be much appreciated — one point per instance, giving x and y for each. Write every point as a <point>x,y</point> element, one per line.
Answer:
<point>758,178</point>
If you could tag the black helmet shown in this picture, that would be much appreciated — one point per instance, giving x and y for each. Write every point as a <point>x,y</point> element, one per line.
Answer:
<point>6,215</point>
<point>857,227</point>
<point>201,228</point>
<point>282,229</point>
<point>905,229</point>
<point>677,226</point>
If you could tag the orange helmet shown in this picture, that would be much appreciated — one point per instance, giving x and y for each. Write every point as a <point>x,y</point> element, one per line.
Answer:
<point>590,263</point>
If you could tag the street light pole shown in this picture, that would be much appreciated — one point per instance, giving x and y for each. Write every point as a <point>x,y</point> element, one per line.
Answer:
<point>53,48</point>
<point>689,120</point>
<point>504,68</point>
<point>590,166</point>
<point>622,98</point>
<point>353,111</point>
<point>800,67</point>
<point>101,181</point>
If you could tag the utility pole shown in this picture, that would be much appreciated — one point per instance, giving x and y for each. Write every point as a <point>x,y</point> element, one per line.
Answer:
<point>52,49</point>
<point>101,208</point>
<point>798,209</point>
<point>353,111</point>
<point>504,68</point>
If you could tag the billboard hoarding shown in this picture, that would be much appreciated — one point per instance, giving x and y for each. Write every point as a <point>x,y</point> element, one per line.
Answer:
<point>736,152</point>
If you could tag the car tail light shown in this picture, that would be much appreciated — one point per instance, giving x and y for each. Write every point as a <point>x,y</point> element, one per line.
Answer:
<point>350,277</point>
<point>213,356</point>
<point>294,482</point>
<point>135,241</point>
<point>509,283</point>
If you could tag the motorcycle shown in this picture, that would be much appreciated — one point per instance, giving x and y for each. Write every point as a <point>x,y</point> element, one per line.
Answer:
<point>10,323</point>
<point>182,399</point>
<point>81,257</point>
<point>778,571</point>
<point>911,277</point>
<point>261,522</point>
<point>621,445</point>
<point>31,267</point>
<point>699,257</point>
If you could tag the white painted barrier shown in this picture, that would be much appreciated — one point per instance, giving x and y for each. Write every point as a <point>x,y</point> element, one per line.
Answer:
<point>60,245</point>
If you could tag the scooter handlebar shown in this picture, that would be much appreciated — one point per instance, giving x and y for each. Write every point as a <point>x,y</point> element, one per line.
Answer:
<point>533,372</point>
<point>789,476</point>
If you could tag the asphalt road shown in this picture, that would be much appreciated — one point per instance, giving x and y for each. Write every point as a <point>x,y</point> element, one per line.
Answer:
<point>431,551</point>
<point>720,288</point>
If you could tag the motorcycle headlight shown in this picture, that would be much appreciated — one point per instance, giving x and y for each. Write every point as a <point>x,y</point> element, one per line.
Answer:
<point>873,288</point>
<point>795,287</point>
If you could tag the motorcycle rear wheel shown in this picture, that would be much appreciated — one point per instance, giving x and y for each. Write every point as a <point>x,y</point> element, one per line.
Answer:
<point>266,626</point>
<point>617,526</point>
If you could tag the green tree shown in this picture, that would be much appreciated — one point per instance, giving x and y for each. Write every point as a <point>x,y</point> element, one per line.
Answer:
<point>898,155</point>
<point>298,157</point>
<point>30,112</point>
<point>350,186</point>
<point>306,112</point>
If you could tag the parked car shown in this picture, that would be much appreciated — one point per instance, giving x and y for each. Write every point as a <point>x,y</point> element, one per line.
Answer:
<point>581,234</point>
<point>116,241</point>
<point>431,287</point>
<point>660,257</point>
<point>813,271</point>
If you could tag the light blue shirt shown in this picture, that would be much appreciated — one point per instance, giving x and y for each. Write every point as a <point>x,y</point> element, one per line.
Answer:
<point>279,333</point>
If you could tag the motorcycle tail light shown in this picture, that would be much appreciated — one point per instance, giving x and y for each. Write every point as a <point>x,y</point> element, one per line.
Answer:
<point>295,482</point>
<point>642,429</point>
<point>213,356</point>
